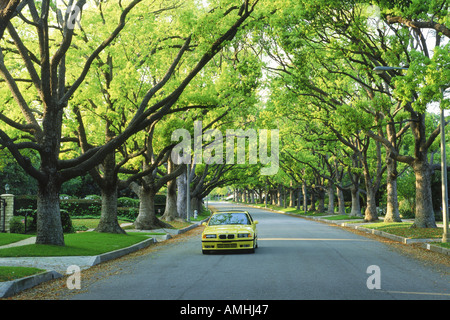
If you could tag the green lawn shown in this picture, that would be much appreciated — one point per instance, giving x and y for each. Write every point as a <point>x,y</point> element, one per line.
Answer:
<point>444,245</point>
<point>7,238</point>
<point>78,244</point>
<point>343,217</point>
<point>403,229</point>
<point>12,273</point>
<point>90,223</point>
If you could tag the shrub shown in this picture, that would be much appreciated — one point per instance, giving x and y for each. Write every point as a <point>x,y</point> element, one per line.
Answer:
<point>129,214</point>
<point>81,207</point>
<point>127,202</point>
<point>66,222</point>
<point>17,225</point>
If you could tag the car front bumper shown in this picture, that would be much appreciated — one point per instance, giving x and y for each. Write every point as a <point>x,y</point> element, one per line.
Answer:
<point>227,245</point>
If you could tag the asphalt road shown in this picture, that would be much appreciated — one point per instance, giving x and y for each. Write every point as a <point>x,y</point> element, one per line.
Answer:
<point>297,259</point>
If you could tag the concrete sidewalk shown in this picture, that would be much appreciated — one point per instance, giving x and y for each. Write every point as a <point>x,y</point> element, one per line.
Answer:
<point>57,267</point>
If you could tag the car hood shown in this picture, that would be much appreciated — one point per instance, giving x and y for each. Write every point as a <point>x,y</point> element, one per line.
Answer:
<point>230,228</point>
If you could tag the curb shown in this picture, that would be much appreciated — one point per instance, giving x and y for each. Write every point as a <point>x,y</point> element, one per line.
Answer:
<point>423,243</point>
<point>11,288</point>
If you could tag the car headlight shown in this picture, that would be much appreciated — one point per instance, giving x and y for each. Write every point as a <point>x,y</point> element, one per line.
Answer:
<point>244,235</point>
<point>209,236</point>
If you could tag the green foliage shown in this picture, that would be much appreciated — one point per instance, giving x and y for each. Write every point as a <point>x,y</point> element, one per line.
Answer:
<point>425,79</point>
<point>66,222</point>
<point>17,225</point>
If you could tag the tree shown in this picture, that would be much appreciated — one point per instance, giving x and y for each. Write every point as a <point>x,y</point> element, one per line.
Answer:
<point>338,33</point>
<point>49,76</point>
<point>424,82</point>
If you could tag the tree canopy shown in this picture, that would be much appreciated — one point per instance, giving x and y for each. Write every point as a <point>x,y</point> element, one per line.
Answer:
<point>98,88</point>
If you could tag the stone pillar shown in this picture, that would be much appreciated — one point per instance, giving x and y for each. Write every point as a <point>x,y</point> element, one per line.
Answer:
<point>8,210</point>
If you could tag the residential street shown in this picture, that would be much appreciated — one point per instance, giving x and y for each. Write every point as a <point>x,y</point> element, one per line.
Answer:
<point>297,259</point>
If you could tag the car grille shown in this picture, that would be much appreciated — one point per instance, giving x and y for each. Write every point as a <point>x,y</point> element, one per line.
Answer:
<point>226,245</point>
<point>226,236</point>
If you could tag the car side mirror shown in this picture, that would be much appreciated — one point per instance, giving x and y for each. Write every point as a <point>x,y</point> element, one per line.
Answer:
<point>203,223</point>
<point>256,222</point>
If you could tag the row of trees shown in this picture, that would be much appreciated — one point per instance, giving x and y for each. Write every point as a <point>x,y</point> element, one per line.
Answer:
<point>98,88</point>
<point>343,126</point>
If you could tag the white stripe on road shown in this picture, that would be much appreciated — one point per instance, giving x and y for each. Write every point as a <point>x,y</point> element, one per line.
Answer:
<point>311,239</point>
<point>419,293</point>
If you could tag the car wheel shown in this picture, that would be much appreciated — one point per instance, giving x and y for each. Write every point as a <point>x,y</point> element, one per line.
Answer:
<point>205,251</point>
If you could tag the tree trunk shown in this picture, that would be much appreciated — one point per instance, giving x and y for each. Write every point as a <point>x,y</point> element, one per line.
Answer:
<point>299,197</point>
<point>108,219</point>
<point>371,209</point>
<point>108,185</point>
<point>321,208</point>
<point>341,201</point>
<point>424,204</point>
<point>356,205</point>
<point>371,185</point>
<point>305,197</point>
<point>196,204</point>
<point>181,195</point>
<point>170,212</point>
<point>392,212</point>
<point>48,224</point>
<point>49,227</point>
<point>273,197</point>
<point>312,208</point>
<point>147,219</point>
<point>280,196</point>
<point>330,197</point>
<point>291,196</point>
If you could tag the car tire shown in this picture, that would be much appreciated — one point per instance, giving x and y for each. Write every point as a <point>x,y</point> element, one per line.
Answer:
<point>205,251</point>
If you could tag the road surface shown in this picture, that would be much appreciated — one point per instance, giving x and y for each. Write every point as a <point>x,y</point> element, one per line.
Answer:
<point>297,259</point>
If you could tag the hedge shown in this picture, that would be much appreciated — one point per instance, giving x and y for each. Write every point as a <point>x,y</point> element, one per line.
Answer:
<point>127,207</point>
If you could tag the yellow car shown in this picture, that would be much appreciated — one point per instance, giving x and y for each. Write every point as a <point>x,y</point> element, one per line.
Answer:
<point>230,230</point>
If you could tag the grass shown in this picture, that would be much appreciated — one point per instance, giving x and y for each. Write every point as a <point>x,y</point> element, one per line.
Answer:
<point>343,217</point>
<point>444,245</point>
<point>89,223</point>
<point>404,229</point>
<point>7,238</point>
<point>78,244</point>
<point>12,273</point>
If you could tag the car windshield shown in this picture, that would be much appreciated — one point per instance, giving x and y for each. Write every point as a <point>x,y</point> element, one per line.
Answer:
<point>228,218</point>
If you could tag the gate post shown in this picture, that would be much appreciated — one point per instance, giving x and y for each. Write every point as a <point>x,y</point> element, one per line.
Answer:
<point>7,211</point>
